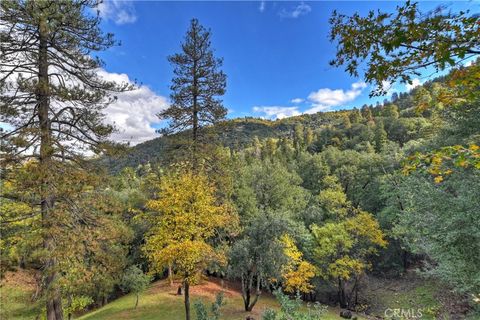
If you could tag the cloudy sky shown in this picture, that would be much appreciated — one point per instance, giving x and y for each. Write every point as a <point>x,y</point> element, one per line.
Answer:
<point>275,54</point>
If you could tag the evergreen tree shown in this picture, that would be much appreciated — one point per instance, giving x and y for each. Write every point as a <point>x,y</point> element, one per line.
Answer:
<point>52,96</point>
<point>309,137</point>
<point>298,138</point>
<point>380,136</point>
<point>197,83</point>
<point>391,111</point>
<point>367,113</point>
<point>346,121</point>
<point>355,116</point>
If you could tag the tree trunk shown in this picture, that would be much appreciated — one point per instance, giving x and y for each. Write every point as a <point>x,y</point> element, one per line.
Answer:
<point>246,287</point>
<point>104,300</point>
<point>187,300</point>
<point>342,298</point>
<point>170,275</point>
<point>195,117</point>
<point>257,295</point>
<point>405,260</point>
<point>53,297</point>
<point>352,298</point>
<point>136,302</point>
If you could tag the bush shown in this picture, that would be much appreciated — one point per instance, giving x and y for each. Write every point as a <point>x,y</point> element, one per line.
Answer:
<point>290,309</point>
<point>134,280</point>
<point>201,308</point>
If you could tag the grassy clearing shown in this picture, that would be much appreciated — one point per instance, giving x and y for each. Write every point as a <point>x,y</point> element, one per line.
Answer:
<point>408,293</point>
<point>160,302</point>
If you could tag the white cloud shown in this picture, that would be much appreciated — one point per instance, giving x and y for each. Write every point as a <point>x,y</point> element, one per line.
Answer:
<point>133,112</point>
<point>297,100</point>
<point>388,87</point>
<point>415,83</point>
<point>300,10</point>
<point>325,98</point>
<point>120,12</point>
<point>321,100</point>
<point>262,7</point>
<point>277,112</point>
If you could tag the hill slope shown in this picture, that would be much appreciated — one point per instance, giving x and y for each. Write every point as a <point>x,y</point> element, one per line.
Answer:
<point>239,133</point>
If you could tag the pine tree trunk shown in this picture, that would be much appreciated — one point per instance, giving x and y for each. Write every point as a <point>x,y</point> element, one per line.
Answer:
<point>136,302</point>
<point>53,302</point>
<point>195,118</point>
<point>187,300</point>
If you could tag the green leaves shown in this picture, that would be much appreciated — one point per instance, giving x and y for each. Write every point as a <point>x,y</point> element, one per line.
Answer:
<point>197,84</point>
<point>395,46</point>
<point>441,221</point>
<point>443,162</point>
<point>134,280</point>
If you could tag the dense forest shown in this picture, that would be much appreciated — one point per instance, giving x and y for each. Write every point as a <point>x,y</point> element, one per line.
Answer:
<point>312,208</point>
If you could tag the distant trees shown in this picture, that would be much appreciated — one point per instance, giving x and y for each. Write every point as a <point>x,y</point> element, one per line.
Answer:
<point>380,136</point>
<point>187,216</point>
<point>196,86</point>
<point>53,96</point>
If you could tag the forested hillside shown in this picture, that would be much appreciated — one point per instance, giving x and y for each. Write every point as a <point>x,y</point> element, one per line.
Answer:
<point>319,129</point>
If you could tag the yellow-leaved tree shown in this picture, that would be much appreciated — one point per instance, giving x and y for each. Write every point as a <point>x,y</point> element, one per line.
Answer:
<point>186,216</point>
<point>297,272</point>
<point>345,242</point>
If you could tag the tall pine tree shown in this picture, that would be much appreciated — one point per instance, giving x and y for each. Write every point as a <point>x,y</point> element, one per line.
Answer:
<point>196,86</point>
<point>52,97</point>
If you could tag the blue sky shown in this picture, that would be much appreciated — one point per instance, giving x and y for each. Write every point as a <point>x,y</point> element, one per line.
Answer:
<point>274,52</point>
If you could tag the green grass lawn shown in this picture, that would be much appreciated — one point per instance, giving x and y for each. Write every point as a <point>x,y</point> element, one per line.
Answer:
<point>160,302</point>
<point>408,293</point>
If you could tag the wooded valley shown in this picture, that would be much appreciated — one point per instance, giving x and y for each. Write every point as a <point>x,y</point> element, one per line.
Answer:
<point>367,212</point>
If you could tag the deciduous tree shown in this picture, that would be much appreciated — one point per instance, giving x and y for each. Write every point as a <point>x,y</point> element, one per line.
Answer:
<point>398,45</point>
<point>187,216</point>
<point>344,242</point>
